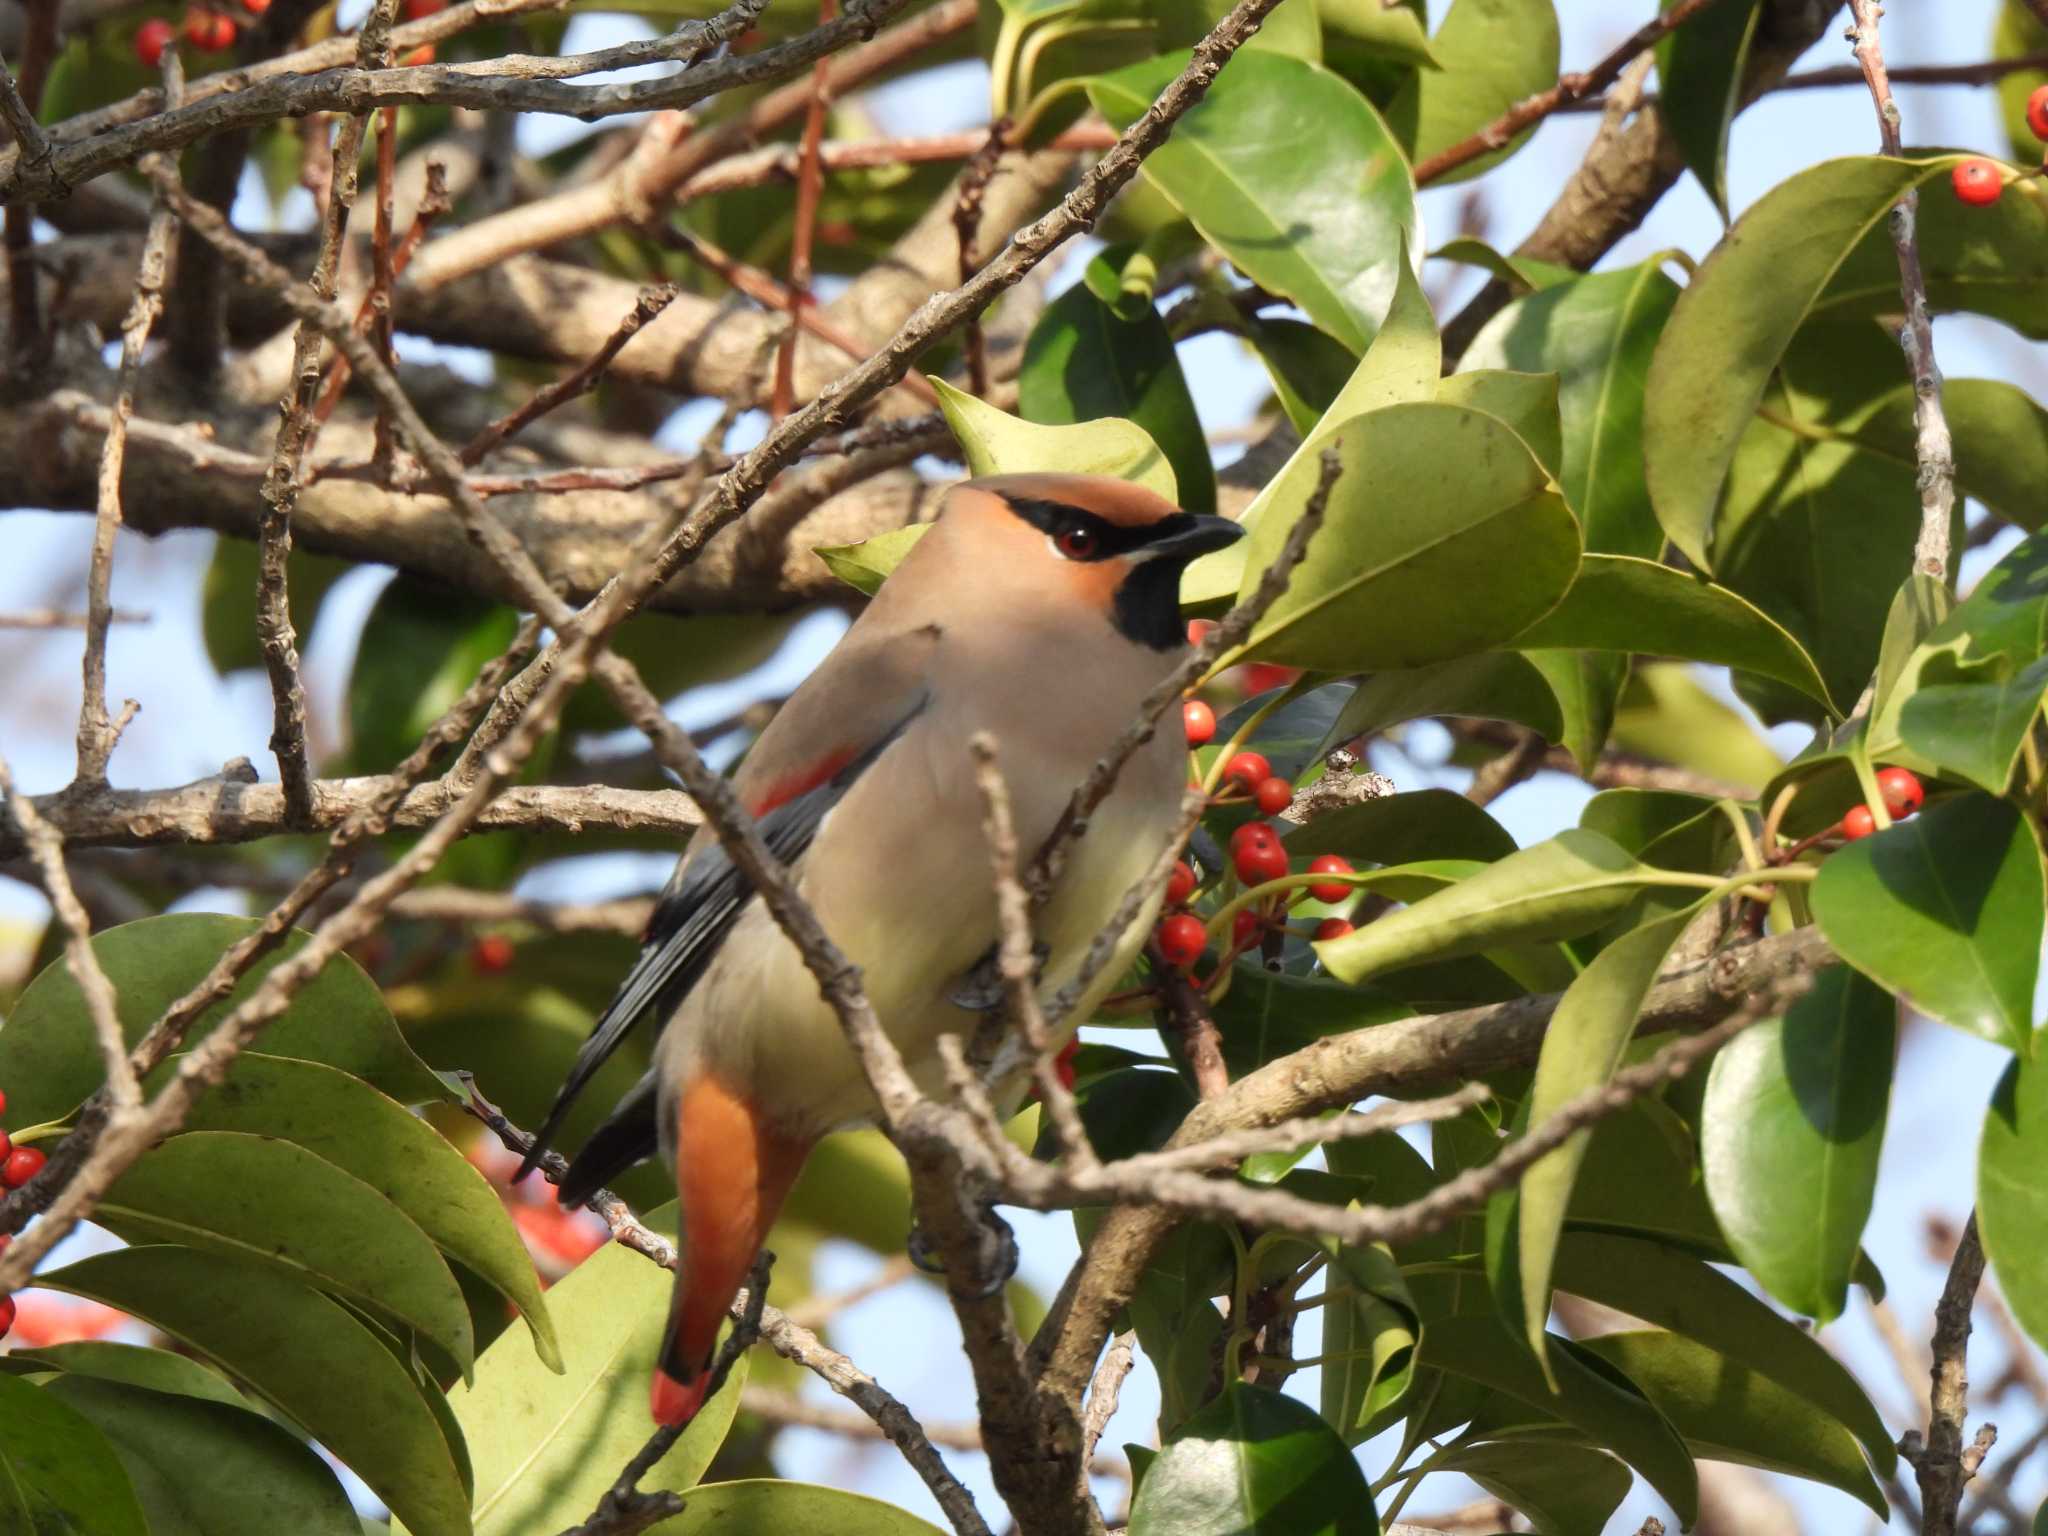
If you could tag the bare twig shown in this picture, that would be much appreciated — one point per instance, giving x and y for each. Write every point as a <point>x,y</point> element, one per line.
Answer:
<point>101,1005</point>
<point>1933,448</point>
<point>967,205</point>
<point>433,203</point>
<point>810,185</point>
<point>1569,88</point>
<point>1985,72</point>
<point>652,302</point>
<point>1943,1464</point>
<point>1498,775</point>
<point>1104,1390</point>
<point>784,162</point>
<point>27,342</point>
<point>1185,1020</point>
<point>55,618</point>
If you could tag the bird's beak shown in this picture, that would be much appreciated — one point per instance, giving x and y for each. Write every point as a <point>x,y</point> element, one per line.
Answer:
<point>1192,534</point>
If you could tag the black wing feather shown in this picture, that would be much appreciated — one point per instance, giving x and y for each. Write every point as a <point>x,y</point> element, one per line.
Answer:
<point>696,910</point>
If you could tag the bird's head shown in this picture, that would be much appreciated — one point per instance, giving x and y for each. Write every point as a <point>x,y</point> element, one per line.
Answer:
<point>1106,545</point>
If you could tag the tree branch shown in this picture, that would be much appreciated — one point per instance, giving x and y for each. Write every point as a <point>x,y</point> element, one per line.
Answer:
<point>1942,1464</point>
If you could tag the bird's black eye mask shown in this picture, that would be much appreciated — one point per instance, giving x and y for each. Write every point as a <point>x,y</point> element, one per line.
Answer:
<point>1080,535</point>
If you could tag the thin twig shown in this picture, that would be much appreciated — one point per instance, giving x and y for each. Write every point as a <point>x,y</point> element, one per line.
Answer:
<point>101,1005</point>
<point>27,342</point>
<point>652,301</point>
<point>1933,447</point>
<point>1498,775</point>
<point>1184,1019</point>
<point>810,185</point>
<point>1569,88</point>
<point>967,205</point>
<point>433,203</point>
<point>1105,1389</point>
<point>1943,1465</point>
<point>56,618</point>
<point>1987,72</point>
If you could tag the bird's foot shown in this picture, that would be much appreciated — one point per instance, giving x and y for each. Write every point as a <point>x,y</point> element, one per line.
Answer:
<point>994,1259</point>
<point>980,989</point>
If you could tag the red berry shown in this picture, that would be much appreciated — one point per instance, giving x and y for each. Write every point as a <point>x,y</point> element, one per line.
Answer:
<point>255,7</point>
<point>1273,795</point>
<point>151,39</point>
<point>424,54</point>
<point>1245,928</point>
<point>1257,862</point>
<point>1063,1064</point>
<point>223,33</point>
<point>3,1103</point>
<point>1858,822</point>
<point>1248,769</point>
<point>1198,630</point>
<point>1900,790</point>
<point>1180,885</point>
<point>1182,939</point>
<point>1253,832</point>
<point>6,1147</point>
<point>1200,722</point>
<point>22,1164</point>
<point>1977,182</point>
<point>1329,864</point>
<point>1263,677</point>
<point>6,1316</point>
<point>492,954</point>
<point>2037,112</point>
<point>1332,928</point>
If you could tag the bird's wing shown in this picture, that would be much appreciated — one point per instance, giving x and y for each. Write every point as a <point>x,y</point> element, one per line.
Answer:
<point>790,794</point>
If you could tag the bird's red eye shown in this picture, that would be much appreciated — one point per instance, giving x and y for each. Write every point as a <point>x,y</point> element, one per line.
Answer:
<point>1076,542</point>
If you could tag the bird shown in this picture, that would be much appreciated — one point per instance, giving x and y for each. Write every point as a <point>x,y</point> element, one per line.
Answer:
<point>1039,608</point>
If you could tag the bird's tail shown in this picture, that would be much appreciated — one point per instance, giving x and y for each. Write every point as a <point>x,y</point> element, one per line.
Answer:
<point>732,1172</point>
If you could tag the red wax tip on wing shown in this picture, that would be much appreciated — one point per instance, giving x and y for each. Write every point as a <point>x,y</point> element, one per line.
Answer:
<point>799,781</point>
<point>672,1402</point>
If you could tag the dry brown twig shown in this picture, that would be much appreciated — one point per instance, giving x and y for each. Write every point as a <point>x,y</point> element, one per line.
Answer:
<point>1941,1462</point>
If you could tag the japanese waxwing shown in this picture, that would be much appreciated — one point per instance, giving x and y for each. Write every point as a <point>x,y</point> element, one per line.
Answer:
<point>1040,608</point>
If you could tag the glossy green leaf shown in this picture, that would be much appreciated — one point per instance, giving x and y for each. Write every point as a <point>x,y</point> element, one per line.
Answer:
<point>1558,889</point>
<point>1621,603</point>
<point>866,565</point>
<point>50,1062</point>
<point>547,1446</point>
<point>1641,1177</point>
<point>1664,713</point>
<point>1442,539</point>
<point>2000,434</point>
<point>208,1469</point>
<point>1666,827</point>
<point>2012,1199</point>
<point>1292,735</point>
<point>1587,686</point>
<point>1498,685</point>
<point>1563,1489</point>
<point>270,1201</point>
<point>1735,320</point>
<point>773,1507</point>
<point>159,1370</point>
<point>1395,829</point>
<point>1946,910</point>
<point>58,1474</point>
<point>422,645</point>
<point>997,443</point>
<point>1676,1290</point>
<point>1594,1022</point>
<point>1727,1412</point>
<point>1699,75</point>
<point>1596,333</point>
<point>304,1352</point>
<point>1307,367</point>
<point>1372,27</point>
<point>1406,359</point>
<point>1494,53</point>
<point>1522,274</point>
<point>352,1126</point>
<point>1253,164</point>
<point>1790,1133</point>
<point>1086,360</point>
<point>1255,1463</point>
<point>1482,1350</point>
<point>1369,1335</point>
<point>1526,401</point>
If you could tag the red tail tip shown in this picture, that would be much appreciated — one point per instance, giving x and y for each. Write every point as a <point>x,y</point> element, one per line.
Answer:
<point>675,1402</point>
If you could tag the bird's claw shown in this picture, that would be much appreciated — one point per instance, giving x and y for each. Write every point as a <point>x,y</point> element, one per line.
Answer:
<point>995,1256</point>
<point>980,989</point>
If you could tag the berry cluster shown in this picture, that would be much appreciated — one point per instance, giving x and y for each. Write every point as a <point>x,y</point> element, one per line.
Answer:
<point>210,30</point>
<point>17,1166</point>
<point>1980,182</point>
<point>1902,796</point>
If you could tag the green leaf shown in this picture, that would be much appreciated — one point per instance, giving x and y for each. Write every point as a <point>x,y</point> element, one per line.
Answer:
<point>160,1370</point>
<point>263,1199</point>
<point>2019,34</point>
<point>209,1469</point>
<point>1790,1133</point>
<point>1735,320</point>
<point>1308,368</point>
<point>1563,1489</point>
<point>1406,359</point>
<point>773,1507</point>
<point>1395,829</point>
<point>1522,274</point>
<point>1946,910</point>
<point>304,1352</point>
<point>1621,603</point>
<point>60,1474</point>
<point>1369,1336</point>
<point>1254,1463</point>
<point>997,443</point>
<point>357,1129</point>
<point>1665,713</point>
<point>2012,1200</point>
<point>547,1446</point>
<point>2001,442</point>
<point>1558,889</point>
<point>866,565</point>
<point>1494,54</point>
<point>1664,827</point>
<point>1442,539</point>
<point>1253,164</point>
<point>1085,360</point>
<point>1640,1177</point>
<point>1597,334</point>
<point>50,1062</point>
<point>1527,402</point>
<point>1594,1022</point>
<point>1678,1291</point>
<point>1699,73</point>
<point>1727,1412</point>
<point>422,645</point>
<point>1371,27</point>
<point>1497,685</point>
<point>1613,1417</point>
